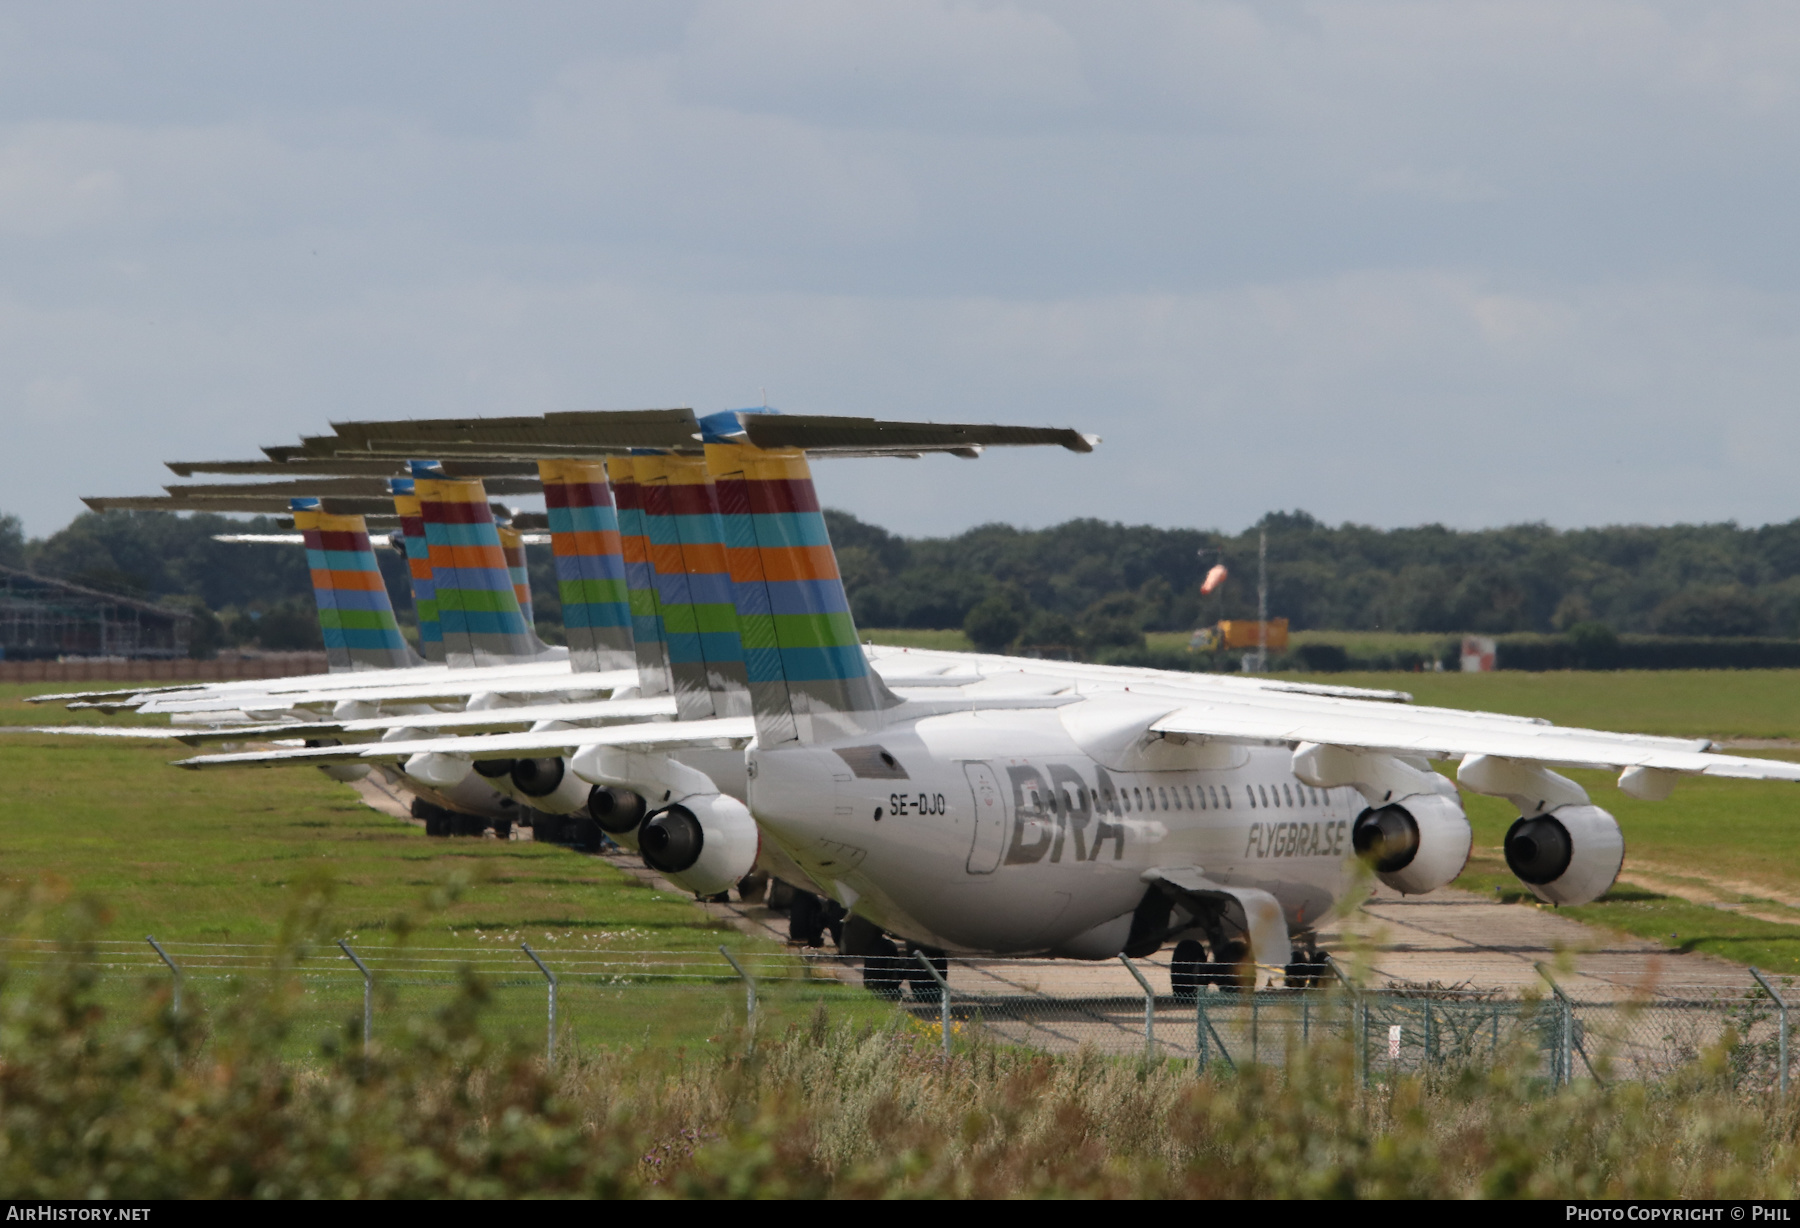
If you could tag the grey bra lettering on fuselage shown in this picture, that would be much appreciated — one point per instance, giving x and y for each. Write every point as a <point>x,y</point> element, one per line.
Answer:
<point>1057,814</point>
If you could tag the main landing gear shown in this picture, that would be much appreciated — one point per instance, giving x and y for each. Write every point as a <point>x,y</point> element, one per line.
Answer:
<point>1230,970</point>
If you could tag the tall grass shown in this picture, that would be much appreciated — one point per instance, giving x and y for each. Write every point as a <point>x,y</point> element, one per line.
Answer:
<point>150,1103</point>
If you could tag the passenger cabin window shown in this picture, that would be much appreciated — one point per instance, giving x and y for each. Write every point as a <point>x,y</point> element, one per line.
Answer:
<point>1188,796</point>
<point>1287,796</point>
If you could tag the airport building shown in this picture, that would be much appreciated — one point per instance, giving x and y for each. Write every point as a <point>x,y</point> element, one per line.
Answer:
<point>43,619</point>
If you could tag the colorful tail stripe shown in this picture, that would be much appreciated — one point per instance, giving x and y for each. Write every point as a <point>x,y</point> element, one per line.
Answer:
<point>590,564</point>
<point>693,586</point>
<point>354,612</point>
<point>512,545</point>
<point>418,567</point>
<point>477,605</point>
<point>799,636</point>
<point>634,547</point>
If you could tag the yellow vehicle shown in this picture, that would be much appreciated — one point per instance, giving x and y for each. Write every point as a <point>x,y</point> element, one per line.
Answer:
<point>1241,633</point>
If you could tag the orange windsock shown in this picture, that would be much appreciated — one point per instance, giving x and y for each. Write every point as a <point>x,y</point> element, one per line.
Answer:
<point>1214,578</point>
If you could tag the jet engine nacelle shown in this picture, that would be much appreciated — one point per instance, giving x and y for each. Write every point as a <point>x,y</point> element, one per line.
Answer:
<point>1569,855</point>
<point>549,785</point>
<point>703,843</point>
<point>1416,844</point>
<point>619,812</point>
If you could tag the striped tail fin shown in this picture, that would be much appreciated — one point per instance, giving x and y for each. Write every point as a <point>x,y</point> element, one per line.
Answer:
<point>355,615</point>
<point>590,564</point>
<point>686,540</point>
<point>809,680</point>
<point>477,606</point>
<point>418,567</point>
<point>512,547</point>
<point>640,584</point>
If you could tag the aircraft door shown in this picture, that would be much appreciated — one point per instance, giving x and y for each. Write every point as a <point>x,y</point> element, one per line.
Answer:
<point>990,819</point>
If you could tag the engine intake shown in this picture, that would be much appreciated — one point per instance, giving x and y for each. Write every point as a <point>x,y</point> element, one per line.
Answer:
<point>1387,839</point>
<point>672,840</point>
<point>1570,855</point>
<point>618,811</point>
<point>1415,845</point>
<point>549,785</point>
<point>537,777</point>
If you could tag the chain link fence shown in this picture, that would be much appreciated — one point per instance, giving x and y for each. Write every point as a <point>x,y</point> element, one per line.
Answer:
<point>564,1000</point>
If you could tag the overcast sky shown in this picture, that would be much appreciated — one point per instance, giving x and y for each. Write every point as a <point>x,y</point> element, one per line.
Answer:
<point>1385,262</point>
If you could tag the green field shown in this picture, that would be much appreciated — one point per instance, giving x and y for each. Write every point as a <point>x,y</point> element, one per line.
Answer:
<point>215,857</point>
<point>225,857</point>
<point>910,637</point>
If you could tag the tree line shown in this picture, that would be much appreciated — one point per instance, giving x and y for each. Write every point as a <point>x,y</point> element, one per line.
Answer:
<point>1091,585</point>
<point>1088,587</point>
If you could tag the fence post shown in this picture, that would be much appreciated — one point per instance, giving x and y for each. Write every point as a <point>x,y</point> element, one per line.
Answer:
<point>1782,1024</point>
<point>172,968</point>
<point>1362,1050</point>
<point>550,1045</point>
<point>1202,1025</point>
<point>749,994</point>
<point>1149,1008</point>
<point>943,999</point>
<point>368,994</point>
<point>1567,1046</point>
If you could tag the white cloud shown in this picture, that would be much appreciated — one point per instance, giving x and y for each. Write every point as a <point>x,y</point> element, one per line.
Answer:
<point>904,63</point>
<point>1386,261</point>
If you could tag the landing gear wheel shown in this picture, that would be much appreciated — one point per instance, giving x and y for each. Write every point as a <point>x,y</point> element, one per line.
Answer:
<point>547,828</point>
<point>1184,968</point>
<point>584,834</point>
<point>503,829</point>
<point>921,985</point>
<point>806,920</point>
<point>1232,968</point>
<point>1321,968</point>
<point>883,969</point>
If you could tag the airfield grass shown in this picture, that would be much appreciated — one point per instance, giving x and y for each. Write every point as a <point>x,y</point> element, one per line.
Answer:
<point>204,859</point>
<point>216,856</point>
<point>950,640</point>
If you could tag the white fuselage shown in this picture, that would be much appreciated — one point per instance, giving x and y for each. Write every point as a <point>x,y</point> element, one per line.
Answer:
<point>998,832</point>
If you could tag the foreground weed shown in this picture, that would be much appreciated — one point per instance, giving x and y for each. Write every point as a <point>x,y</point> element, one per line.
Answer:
<point>145,1102</point>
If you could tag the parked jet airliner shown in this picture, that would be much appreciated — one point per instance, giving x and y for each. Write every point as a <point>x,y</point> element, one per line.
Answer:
<point>982,804</point>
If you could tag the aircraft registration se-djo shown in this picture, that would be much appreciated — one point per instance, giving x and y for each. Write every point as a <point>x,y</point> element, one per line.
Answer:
<point>971,803</point>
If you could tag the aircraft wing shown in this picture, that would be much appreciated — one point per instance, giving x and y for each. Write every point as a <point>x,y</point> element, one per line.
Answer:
<point>372,679</point>
<point>914,667</point>
<point>160,732</point>
<point>1443,733</point>
<point>664,735</point>
<point>487,720</point>
<point>448,689</point>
